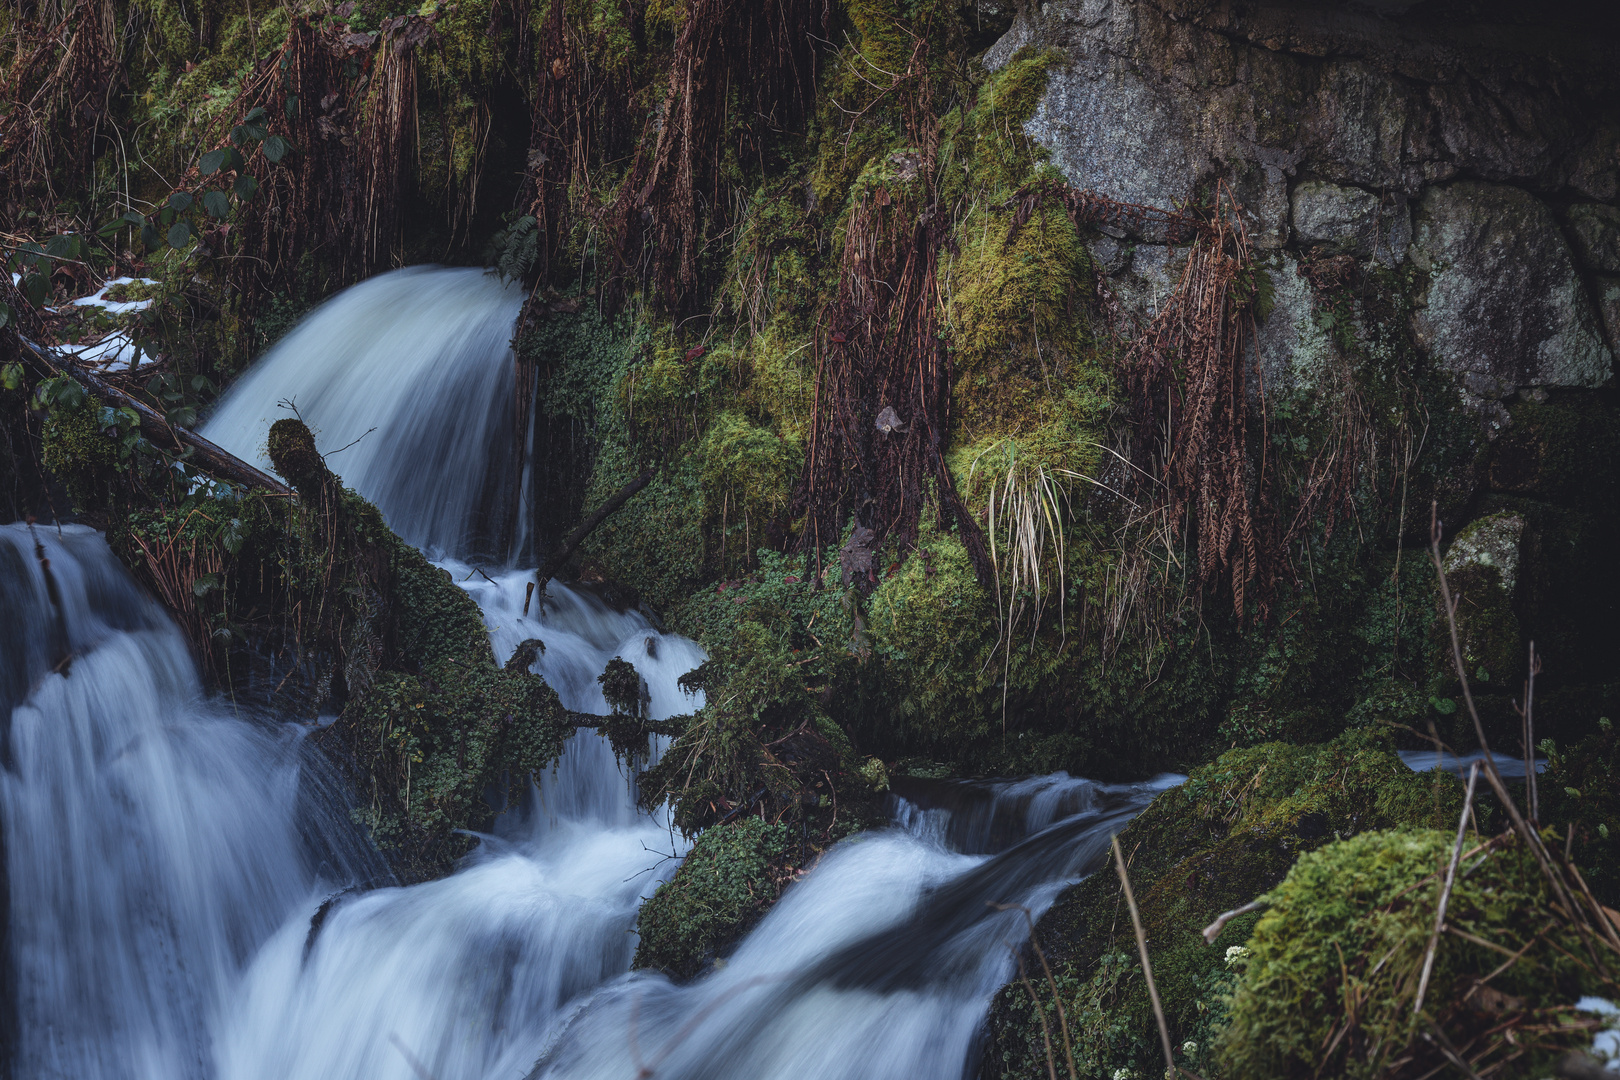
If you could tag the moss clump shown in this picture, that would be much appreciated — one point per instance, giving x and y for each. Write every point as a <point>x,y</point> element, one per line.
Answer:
<point>80,454</point>
<point>1332,974</point>
<point>1223,838</point>
<point>732,875</point>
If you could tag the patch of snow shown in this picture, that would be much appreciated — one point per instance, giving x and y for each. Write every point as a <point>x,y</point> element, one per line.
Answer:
<point>115,307</point>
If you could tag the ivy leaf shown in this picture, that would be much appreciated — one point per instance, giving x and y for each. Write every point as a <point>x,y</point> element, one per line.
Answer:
<point>217,203</point>
<point>275,148</point>
<point>179,235</point>
<point>245,187</point>
<point>180,202</point>
<point>212,162</point>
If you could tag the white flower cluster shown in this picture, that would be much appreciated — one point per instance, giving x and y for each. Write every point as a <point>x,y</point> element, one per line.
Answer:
<point>1236,953</point>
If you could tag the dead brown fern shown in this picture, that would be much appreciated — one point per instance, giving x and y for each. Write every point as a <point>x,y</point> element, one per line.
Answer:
<point>882,402</point>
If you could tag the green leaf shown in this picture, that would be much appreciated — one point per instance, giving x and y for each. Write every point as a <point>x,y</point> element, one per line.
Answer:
<point>239,135</point>
<point>165,217</point>
<point>65,246</point>
<point>1481,674</point>
<point>206,583</point>
<point>1572,793</point>
<point>217,203</point>
<point>234,159</point>
<point>1443,705</point>
<point>151,239</point>
<point>275,148</point>
<point>255,113</point>
<point>179,235</point>
<point>37,287</point>
<point>212,162</point>
<point>180,202</point>
<point>11,376</point>
<point>5,321</point>
<point>245,187</point>
<point>292,106</point>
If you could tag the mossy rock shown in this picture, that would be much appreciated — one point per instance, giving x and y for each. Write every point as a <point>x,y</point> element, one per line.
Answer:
<point>1222,839</point>
<point>731,877</point>
<point>1333,966</point>
<point>1482,570</point>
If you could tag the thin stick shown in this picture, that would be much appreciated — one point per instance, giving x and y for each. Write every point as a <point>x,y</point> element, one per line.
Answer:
<point>1147,966</point>
<point>1530,735</point>
<point>1445,891</point>
<point>1213,930</point>
<point>1492,774</point>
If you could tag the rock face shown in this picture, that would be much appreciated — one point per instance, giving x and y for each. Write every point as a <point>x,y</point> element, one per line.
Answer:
<point>1505,308</point>
<point>1333,126</point>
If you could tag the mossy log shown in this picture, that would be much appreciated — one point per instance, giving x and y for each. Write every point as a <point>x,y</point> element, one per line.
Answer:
<point>223,465</point>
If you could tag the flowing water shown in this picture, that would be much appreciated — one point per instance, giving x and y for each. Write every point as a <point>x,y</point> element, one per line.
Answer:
<point>189,899</point>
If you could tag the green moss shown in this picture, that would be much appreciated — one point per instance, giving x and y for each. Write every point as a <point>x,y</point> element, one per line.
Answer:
<point>1226,836</point>
<point>1345,936</point>
<point>79,454</point>
<point>731,876</point>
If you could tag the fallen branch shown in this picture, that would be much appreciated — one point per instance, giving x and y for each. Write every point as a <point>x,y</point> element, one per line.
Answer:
<point>213,459</point>
<point>565,551</point>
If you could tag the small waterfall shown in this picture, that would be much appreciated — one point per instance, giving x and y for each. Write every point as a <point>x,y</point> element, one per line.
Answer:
<point>407,382</point>
<point>190,900</point>
<point>153,838</point>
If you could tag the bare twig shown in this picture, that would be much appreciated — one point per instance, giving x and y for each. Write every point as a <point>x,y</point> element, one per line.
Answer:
<point>1531,840</point>
<point>1445,892</point>
<point>1213,930</point>
<point>556,560</point>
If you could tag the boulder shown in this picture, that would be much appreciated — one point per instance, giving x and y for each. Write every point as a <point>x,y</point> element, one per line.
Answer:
<point>1596,229</point>
<point>1352,220</point>
<point>1505,308</point>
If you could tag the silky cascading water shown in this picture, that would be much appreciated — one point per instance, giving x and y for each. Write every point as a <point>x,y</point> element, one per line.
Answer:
<point>189,897</point>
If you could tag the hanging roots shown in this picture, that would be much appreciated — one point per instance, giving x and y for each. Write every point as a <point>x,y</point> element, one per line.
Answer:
<point>882,401</point>
<point>1190,479</point>
<point>58,89</point>
<point>727,51</point>
<point>347,103</point>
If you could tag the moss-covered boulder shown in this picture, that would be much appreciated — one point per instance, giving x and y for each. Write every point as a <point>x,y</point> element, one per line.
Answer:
<point>1333,968</point>
<point>732,875</point>
<point>1482,569</point>
<point>1222,839</point>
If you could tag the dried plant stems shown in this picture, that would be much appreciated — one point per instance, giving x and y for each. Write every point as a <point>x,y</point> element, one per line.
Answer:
<point>1147,965</point>
<point>1445,892</point>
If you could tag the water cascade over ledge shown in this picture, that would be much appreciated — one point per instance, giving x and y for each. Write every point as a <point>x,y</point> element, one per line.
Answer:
<point>190,899</point>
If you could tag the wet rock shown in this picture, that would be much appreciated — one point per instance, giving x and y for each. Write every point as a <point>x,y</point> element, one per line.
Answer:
<point>1505,308</point>
<point>1352,220</point>
<point>1159,97</point>
<point>1596,229</point>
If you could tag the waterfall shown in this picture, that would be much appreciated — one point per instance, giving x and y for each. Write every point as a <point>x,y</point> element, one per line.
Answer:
<point>407,382</point>
<point>189,898</point>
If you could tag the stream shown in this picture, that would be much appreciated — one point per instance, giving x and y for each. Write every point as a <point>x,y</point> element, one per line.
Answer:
<point>189,897</point>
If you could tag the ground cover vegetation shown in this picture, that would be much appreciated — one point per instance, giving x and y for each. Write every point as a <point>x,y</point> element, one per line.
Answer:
<point>931,494</point>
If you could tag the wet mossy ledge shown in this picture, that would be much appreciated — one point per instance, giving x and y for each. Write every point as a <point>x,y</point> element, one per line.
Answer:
<point>432,722</point>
